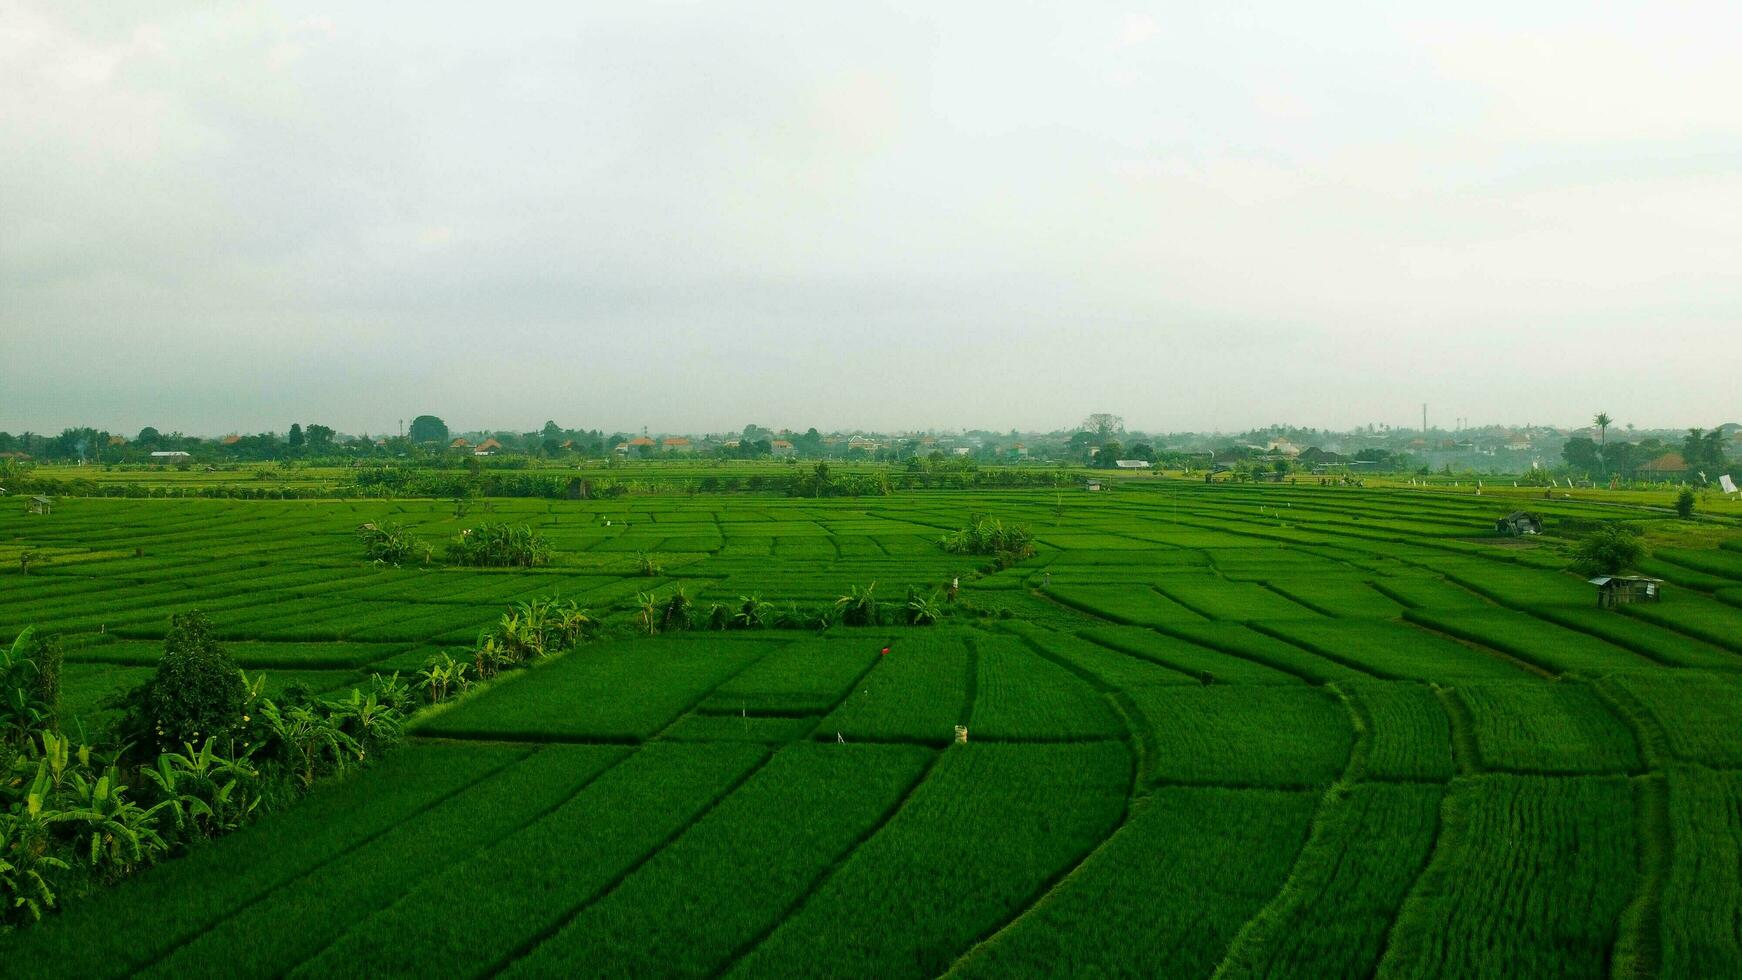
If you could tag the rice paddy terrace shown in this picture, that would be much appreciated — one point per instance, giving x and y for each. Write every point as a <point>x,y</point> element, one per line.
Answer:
<point>1211,730</point>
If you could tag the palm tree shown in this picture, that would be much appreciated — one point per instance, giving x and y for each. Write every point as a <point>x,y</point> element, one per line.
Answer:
<point>1602,421</point>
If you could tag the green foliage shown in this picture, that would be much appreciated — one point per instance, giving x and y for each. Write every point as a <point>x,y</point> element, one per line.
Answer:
<point>648,565</point>
<point>499,545</point>
<point>392,543</point>
<point>1007,543</point>
<point>1684,503</point>
<point>22,705</point>
<point>858,607</point>
<point>441,675</point>
<point>1609,550</point>
<point>197,691</point>
<point>923,608</point>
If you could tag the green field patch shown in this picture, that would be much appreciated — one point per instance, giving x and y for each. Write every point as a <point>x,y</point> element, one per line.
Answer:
<point>1369,842</point>
<point>623,691</point>
<point>1699,714</point>
<point>805,678</point>
<point>1337,595</point>
<point>1133,604</point>
<point>1532,640</point>
<point>732,877</point>
<point>1699,617</point>
<point>973,846</point>
<point>1020,695</point>
<point>1529,879</point>
<point>119,930</point>
<point>1219,599</point>
<point>1702,892</point>
<point>1205,664</point>
<point>1162,898</point>
<point>1641,636</point>
<point>1547,728</point>
<point>1425,592</point>
<point>534,879</point>
<point>1112,668</point>
<point>1246,736</point>
<point>763,729</point>
<point>1239,640</point>
<point>918,693</point>
<point>1394,651</point>
<point>300,918</point>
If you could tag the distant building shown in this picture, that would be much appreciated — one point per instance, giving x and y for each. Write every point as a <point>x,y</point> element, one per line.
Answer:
<point>1133,464</point>
<point>781,447</point>
<point>168,454</point>
<point>637,444</point>
<point>1094,486</point>
<point>1519,523</point>
<point>41,505</point>
<point>489,447</point>
<point>676,444</point>
<point>459,443</point>
<point>230,440</point>
<point>1669,466</point>
<point>1621,590</point>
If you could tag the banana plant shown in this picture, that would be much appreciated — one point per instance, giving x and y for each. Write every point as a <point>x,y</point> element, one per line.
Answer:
<point>648,611</point>
<point>24,885</point>
<point>922,609</point>
<point>753,612</point>
<point>369,719</point>
<point>113,832</point>
<point>204,788</point>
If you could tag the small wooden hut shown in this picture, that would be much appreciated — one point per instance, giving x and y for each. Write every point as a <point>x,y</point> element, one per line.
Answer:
<point>41,505</point>
<point>1621,590</point>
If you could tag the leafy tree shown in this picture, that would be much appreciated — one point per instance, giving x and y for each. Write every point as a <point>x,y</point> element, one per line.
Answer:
<point>551,432</point>
<point>320,437</point>
<point>1104,425</point>
<point>1143,451</point>
<point>428,428</point>
<point>148,436</point>
<point>1609,550</point>
<point>1110,451</point>
<point>294,440</point>
<point>1581,454</point>
<point>1602,421</point>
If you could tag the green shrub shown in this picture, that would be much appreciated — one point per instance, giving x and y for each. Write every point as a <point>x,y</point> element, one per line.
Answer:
<point>1609,550</point>
<point>499,546</point>
<point>392,543</point>
<point>1684,503</point>
<point>198,690</point>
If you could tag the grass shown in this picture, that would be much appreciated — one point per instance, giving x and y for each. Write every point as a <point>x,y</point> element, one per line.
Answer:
<point>1529,879</point>
<point>1161,898</point>
<point>984,833</point>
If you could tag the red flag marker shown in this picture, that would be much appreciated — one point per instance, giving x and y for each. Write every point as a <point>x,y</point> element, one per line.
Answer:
<point>885,652</point>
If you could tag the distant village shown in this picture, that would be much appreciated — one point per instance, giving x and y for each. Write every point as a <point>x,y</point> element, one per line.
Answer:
<point>1611,451</point>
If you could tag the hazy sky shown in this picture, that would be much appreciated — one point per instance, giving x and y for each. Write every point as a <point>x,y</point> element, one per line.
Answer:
<point>219,217</point>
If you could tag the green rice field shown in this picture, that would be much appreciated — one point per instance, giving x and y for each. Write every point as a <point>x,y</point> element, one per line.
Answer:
<point>1204,731</point>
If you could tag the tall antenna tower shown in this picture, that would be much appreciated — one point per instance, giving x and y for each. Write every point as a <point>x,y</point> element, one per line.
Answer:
<point>1424,418</point>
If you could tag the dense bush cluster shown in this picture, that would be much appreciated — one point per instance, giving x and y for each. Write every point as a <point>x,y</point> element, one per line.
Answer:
<point>198,753</point>
<point>527,632</point>
<point>1006,543</point>
<point>1609,550</point>
<point>499,545</point>
<point>392,543</point>
<point>675,611</point>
